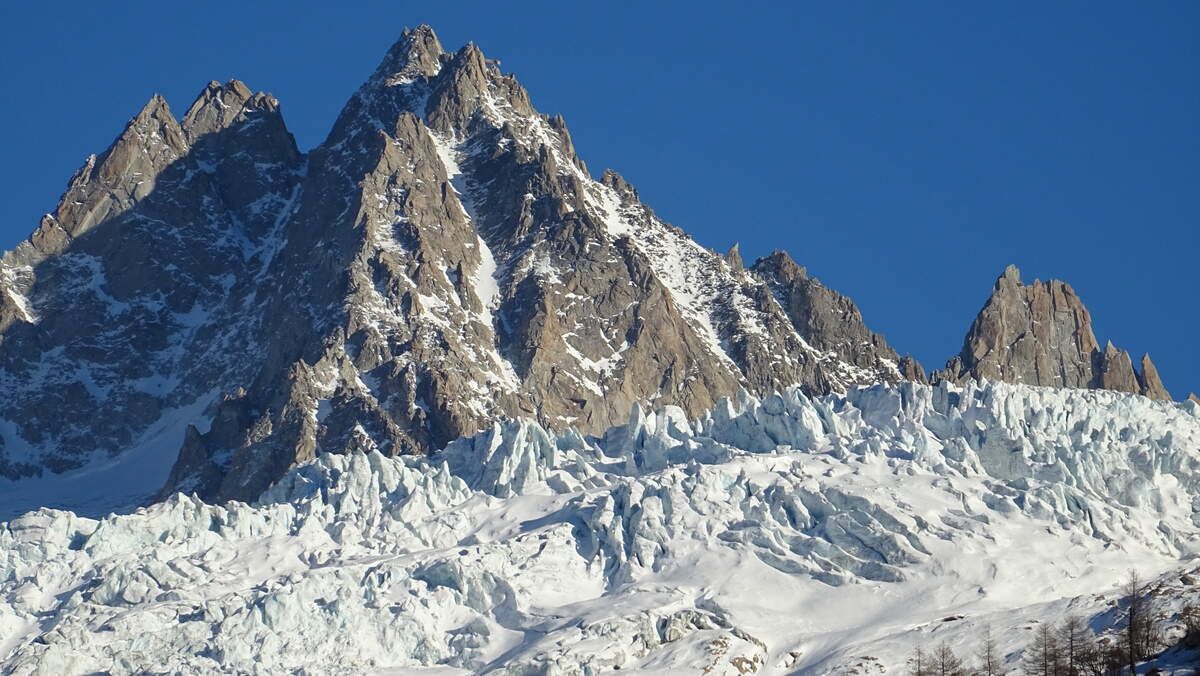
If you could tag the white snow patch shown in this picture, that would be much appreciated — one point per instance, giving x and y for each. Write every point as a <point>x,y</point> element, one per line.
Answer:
<point>487,289</point>
<point>105,484</point>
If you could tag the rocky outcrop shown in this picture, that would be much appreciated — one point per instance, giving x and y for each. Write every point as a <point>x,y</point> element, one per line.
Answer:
<point>1041,334</point>
<point>1114,371</point>
<point>830,321</point>
<point>1149,383</point>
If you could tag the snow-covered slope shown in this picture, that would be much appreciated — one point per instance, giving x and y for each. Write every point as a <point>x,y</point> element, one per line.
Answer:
<point>815,535</point>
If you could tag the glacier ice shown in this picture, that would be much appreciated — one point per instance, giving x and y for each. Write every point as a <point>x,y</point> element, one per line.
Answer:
<point>788,533</point>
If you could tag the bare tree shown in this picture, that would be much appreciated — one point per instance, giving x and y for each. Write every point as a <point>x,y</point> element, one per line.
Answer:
<point>1133,639</point>
<point>1113,660</point>
<point>946,663</point>
<point>1074,638</point>
<point>1089,658</point>
<point>1141,636</point>
<point>920,662</point>
<point>1041,658</point>
<point>1190,616</point>
<point>989,657</point>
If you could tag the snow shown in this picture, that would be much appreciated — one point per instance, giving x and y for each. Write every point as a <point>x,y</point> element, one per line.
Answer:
<point>783,534</point>
<point>11,277</point>
<point>487,290</point>
<point>105,484</point>
<point>445,151</point>
<point>94,282</point>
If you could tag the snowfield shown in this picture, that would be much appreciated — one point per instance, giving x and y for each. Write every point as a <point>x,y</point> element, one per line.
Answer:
<point>783,535</point>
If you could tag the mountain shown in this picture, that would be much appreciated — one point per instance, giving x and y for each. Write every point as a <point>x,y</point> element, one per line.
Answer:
<point>430,395</point>
<point>1041,334</point>
<point>789,534</point>
<point>206,294</point>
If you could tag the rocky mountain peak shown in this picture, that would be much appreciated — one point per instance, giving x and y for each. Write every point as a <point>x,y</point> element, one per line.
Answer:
<point>460,92</point>
<point>1149,381</point>
<point>155,111</point>
<point>1041,334</point>
<point>110,183</point>
<point>1115,370</point>
<point>471,61</point>
<point>1010,276</point>
<point>623,188</point>
<point>141,283</point>
<point>471,269</point>
<point>417,53</point>
<point>219,105</point>
<point>781,266</point>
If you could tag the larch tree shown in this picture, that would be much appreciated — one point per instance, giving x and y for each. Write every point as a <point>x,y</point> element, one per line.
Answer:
<point>1074,639</point>
<point>946,663</point>
<point>989,655</point>
<point>920,662</point>
<point>1041,658</point>
<point>1141,636</point>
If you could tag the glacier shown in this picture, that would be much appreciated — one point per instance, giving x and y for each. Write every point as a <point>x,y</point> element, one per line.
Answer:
<point>782,534</point>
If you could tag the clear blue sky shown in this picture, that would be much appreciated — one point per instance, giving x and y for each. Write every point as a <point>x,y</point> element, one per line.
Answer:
<point>904,152</point>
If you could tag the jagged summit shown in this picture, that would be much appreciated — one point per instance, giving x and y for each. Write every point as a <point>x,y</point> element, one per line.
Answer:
<point>1150,383</point>
<point>219,105</point>
<point>478,271</point>
<point>1041,334</point>
<point>734,257</point>
<point>418,53</point>
<point>110,183</point>
<point>443,259</point>
<point>134,296</point>
<point>623,188</point>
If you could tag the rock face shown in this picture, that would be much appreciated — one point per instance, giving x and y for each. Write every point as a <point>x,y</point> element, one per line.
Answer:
<point>442,260</point>
<point>137,298</point>
<point>830,321</point>
<point>1150,384</point>
<point>1041,334</point>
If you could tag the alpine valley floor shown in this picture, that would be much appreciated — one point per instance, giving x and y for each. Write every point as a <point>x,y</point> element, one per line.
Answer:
<point>783,535</point>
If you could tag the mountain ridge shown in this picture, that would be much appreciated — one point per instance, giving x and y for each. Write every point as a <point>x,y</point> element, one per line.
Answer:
<point>442,260</point>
